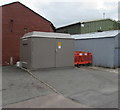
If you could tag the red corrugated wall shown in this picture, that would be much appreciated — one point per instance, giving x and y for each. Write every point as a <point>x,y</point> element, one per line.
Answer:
<point>18,20</point>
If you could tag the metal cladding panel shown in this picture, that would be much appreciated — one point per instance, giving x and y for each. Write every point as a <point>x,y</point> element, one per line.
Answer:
<point>43,53</point>
<point>117,51</point>
<point>71,29</point>
<point>94,26</point>
<point>64,52</point>
<point>117,58</point>
<point>102,50</point>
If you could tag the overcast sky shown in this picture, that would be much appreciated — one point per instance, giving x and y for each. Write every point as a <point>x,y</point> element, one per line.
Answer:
<point>63,12</point>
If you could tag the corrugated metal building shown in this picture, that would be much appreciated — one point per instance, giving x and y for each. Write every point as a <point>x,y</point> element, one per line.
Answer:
<point>90,26</point>
<point>105,47</point>
<point>17,19</point>
<point>46,50</point>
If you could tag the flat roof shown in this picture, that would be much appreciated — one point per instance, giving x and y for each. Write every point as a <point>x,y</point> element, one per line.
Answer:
<point>104,34</point>
<point>47,35</point>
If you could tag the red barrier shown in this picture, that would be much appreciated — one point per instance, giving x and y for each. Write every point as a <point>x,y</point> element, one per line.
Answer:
<point>82,58</point>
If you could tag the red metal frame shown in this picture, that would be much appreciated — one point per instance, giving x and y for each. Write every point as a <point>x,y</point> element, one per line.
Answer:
<point>81,57</point>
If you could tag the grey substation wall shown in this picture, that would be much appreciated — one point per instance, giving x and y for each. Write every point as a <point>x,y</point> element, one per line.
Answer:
<point>117,51</point>
<point>103,50</point>
<point>40,50</point>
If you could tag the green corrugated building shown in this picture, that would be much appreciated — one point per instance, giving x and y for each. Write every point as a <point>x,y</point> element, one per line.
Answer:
<point>90,26</point>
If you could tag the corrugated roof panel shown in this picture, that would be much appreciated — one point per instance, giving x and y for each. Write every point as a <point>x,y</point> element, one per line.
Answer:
<point>47,35</point>
<point>96,35</point>
<point>96,20</point>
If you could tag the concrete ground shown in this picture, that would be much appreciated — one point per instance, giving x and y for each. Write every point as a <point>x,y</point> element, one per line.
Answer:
<point>80,87</point>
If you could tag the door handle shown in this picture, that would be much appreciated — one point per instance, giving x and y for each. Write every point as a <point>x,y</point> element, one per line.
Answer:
<point>56,50</point>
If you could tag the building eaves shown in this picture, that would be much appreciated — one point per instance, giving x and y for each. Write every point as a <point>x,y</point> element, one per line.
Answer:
<point>96,20</point>
<point>96,35</point>
<point>68,25</point>
<point>36,34</point>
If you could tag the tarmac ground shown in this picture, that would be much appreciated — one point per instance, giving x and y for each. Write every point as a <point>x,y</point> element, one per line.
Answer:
<point>79,87</point>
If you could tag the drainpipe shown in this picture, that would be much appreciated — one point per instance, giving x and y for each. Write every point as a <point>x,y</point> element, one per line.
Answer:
<point>11,60</point>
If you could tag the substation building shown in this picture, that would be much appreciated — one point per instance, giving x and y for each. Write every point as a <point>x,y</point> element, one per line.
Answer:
<point>46,50</point>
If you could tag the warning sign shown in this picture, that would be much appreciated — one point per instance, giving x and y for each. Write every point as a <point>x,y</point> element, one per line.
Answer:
<point>59,45</point>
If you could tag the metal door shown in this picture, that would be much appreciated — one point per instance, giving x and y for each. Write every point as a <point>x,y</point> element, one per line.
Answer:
<point>64,52</point>
<point>43,53</point>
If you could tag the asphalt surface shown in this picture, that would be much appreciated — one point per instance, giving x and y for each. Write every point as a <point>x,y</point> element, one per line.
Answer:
<point>94,88</point>
<point>89,87</point>
<point>18,85</point>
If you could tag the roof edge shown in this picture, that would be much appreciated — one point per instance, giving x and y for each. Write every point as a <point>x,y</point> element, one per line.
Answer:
<point>68,25</point>
<point>81,22</point>
<point>37,34</point>
<point>116,33</point>
<point>94,38</point>
<point>9,3</point>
